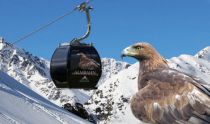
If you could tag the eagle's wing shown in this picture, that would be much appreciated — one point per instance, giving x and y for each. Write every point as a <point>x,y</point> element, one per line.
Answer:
<point>172,74</point>
<point>172,97</point>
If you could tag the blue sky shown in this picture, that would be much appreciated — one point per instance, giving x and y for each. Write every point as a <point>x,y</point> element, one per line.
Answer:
<point>173,27</point>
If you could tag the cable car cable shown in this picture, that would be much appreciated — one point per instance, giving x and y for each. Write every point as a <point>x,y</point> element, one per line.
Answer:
<point>42,27</point>
<point>79,7</point>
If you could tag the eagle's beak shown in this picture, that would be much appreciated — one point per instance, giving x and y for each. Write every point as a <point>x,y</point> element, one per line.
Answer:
<point>129,51</point>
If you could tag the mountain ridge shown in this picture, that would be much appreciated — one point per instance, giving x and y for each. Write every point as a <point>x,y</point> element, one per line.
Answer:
<point>111,101</point>
<point>34,73</point>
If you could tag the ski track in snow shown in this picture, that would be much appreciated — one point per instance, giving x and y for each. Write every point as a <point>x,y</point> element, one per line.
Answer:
<point>21,105</point>
<point>6,119</point>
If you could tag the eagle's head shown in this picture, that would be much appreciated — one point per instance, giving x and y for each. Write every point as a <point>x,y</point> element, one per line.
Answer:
<point>149,58</point>
<point>140,51</point>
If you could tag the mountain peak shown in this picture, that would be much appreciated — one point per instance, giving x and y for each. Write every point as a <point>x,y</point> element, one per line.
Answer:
<point>1,42</point>
<point>204,54</point>
<point>1,39</point>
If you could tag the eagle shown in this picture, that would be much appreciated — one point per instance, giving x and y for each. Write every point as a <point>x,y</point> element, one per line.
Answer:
<point>87,63</point>
<point>166,95</point>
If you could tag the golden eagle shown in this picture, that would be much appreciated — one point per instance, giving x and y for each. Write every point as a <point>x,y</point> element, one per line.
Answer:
<point>165,95</point>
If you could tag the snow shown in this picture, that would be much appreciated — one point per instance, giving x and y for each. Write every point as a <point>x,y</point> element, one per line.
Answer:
<point>20,105</point>
<point>110,102</point>
<point>204,54</point>
<point>1,45</point>
<point>33,72</point>
<point>113,97</point>
<point>192,66</point>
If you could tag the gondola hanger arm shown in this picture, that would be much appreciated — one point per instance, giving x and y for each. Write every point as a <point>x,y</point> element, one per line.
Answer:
<point>83,7</point>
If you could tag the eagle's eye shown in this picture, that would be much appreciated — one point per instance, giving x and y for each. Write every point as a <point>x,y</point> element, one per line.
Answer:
<point>139,47</point>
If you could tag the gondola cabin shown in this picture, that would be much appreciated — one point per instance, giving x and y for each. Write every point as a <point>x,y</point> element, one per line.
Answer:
<point>76,66</point>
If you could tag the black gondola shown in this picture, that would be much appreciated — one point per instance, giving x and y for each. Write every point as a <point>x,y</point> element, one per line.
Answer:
<point>76,64</point>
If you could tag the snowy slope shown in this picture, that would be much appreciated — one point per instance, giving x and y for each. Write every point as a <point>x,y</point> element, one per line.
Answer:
<point>20,105</point>
<point>111,67</point>
<point>192,66</point>
<point>33,72</point>
<point>111,102</point>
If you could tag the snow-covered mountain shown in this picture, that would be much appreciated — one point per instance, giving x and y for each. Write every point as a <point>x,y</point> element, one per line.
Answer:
<point>111,101</point>
<point>33,72</point>
<point>204,54</point>
<point>21,105</point>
